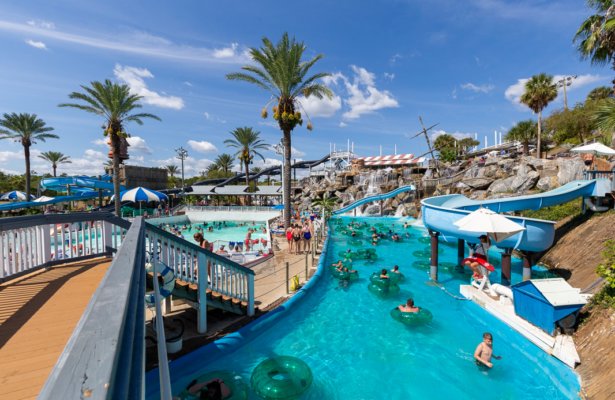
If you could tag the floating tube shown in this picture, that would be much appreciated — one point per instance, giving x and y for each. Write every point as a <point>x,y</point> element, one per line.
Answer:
<point>235,383</point>
<point>356,242</point>
<point>167,286</point>
<point>423,316</point>
<point>421,264</point>
<point>351,276</point>
<point>396,277</point>
<point>382,287</point>
<point>281,378</point>
<point>480,261</point>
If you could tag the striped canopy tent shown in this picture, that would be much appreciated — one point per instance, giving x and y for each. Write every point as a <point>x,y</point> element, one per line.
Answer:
<point>397,159</point>
<point>140,194</point>
<point>15,195</point>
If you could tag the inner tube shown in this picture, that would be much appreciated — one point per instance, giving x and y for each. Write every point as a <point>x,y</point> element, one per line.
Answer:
<point>281,378</point>
<point>396,277</point>
<point>423,316</point>
<point>424,239</point>
<point>356,242</point>
<point>166,286</point>
<point>235,383</point>
<point>421,253</point>
<point>421,264</point>
<point>344,275</point>
<point>480,261</point>
<point>382,287</point>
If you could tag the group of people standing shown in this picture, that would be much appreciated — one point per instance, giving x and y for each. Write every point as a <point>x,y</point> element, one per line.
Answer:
<point>299,236</point>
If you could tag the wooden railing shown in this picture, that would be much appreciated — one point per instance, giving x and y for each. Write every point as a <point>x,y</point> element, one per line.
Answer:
<point>30,243</point>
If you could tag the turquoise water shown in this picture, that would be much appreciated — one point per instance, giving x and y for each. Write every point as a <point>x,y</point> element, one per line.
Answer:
<point>233,231</point>
<point>357,351</point>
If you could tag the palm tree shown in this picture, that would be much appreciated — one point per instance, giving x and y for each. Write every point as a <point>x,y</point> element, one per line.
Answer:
<point>280,71</point>
<point>114,103</point>
<point>524,132</point>
<point>539,92</point>
<point>604,116</point>
<point>599,93</point>
<point>55,158</point>
<point>26,129</point>
<point>247,142</point>
<point>325,204</point>
<point>172,170</point>
<point>224,163</point>
<point>596,35</point>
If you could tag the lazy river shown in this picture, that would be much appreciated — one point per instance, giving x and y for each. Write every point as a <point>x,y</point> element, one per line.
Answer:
<point>355,350</point>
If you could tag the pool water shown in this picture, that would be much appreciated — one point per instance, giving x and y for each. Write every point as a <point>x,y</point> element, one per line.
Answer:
<point>223,234</point>
<point>357,351</point>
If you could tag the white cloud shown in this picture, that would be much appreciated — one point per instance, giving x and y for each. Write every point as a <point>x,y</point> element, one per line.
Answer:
<point>134,78</point>
<point>395,58</point>
<point>484,88</point>
<point>192,166</point>
<point>457,135</point>
<point>211,117</point>
<point>389,76</point>
<point>206,114</point>
<point>295,153</point>
<point>100,142</point>
<point>133,42</point>
<point>36,44</point>
<point>6,156</point>
<point>90,163</point>
<point>324,107</point>
<point>364,97</point>
<point>202,146</point>
<point>41,24</point>
<point>226,52</point>
<point>514,92</point>
<point>454,93</point>
<point>138,144</point>
<point>188,84</point>
<point>343,124</point>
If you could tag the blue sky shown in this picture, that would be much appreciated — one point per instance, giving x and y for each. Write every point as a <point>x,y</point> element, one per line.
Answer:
<point>460,64</point>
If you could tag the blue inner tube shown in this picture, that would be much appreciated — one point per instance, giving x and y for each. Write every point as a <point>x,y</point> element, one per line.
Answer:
<point>235,383</point>
<point>167,285</point>
<point>423,316</point>
<point>281,378</point>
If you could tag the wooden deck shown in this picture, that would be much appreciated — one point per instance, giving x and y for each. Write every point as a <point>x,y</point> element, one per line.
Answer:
<point>38,313</point>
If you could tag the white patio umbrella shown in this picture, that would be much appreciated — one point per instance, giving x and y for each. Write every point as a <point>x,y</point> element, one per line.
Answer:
<point>43,198</point>
<point>485,221</point>
<point>15,195</point>
<point>597,149</point>
<point>141,194</point>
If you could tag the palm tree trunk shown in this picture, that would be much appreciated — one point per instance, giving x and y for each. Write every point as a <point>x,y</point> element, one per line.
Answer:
<point>248,198</point>
<point>538,149</point>
<point>115,145</point>
<point>286,176</point>
<point>54,169</point>
<point>26,151</point>
<point>526,148</point>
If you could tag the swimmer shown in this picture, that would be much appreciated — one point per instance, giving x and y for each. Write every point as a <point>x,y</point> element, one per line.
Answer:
<point>384,274</point>
<point>395,269</point>
<point>408,307</point>
<point>484,351</point>
<point>338,264</point>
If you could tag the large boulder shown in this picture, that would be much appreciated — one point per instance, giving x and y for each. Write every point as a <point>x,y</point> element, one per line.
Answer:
<point>547,183</point>
<point>570,169</point>
<point>502,186</point>
<point>477,183</point>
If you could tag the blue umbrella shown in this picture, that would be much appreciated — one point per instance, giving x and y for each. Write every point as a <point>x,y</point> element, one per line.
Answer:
<point>15,195</point>
<point>142,194</point>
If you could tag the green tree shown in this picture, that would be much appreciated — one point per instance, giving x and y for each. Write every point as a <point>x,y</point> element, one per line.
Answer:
<point>466,144</point>
<point>599,93</point>
<point>224,163</point>
<point>172,170</point>
<point>446,145</point>
<point>572,126</point>
<point>115,104</point>
<point>596,35</point>
<point>280,70</point>
<point>325,204</point>
<point>26,129</point>
<point>539,92</point>
<point>55,158</point>
<point>247,142</point>
<point>524,132</point>
<point>604,117</point>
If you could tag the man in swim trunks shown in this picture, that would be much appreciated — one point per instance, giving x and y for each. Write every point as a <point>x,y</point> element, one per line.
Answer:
<point>408,307</point>
<point>484,351</point>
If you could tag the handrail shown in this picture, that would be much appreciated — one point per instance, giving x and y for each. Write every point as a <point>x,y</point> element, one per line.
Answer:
<point>161,341</point>
<point>48,219</point>
<point>104,357</point>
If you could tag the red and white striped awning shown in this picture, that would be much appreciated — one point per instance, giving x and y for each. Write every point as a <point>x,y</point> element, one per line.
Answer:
<point>398,159</point>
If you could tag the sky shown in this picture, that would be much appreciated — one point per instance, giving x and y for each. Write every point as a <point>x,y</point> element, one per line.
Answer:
<point>458,64</point>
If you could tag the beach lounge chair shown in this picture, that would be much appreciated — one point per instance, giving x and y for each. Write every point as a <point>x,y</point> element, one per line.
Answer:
<point>483,282</point>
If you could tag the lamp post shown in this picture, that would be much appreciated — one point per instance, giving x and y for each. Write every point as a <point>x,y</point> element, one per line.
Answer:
<point>563,83</point>
<point>182,154</point>
<point>279,150</point>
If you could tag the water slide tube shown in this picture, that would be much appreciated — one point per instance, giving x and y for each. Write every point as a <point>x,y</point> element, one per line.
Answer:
<point>441,212</point>
<point>377,197</point>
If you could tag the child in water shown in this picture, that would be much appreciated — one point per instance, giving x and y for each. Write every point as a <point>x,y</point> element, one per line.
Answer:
<point>484,351</point>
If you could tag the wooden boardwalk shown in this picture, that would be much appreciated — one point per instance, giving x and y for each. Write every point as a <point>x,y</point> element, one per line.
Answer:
<point>38,314</point>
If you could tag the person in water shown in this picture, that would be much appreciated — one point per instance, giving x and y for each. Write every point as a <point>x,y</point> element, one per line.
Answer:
<point>384,274</point>
<point>484,351</point>
<point>338,264</point>
<point>395,270</point>
<point>408,307</point>
<point>480,252</point>
<point>214,389</point>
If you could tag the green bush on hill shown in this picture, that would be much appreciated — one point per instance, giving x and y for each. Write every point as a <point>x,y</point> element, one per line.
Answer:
<point>606,296</point>
<point>556,213</point>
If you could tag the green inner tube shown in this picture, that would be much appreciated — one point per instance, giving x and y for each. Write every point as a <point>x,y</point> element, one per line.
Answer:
<point>351,276</point>
<point>422,253</point>
<point>396,277</point>
<point>357,234</point>
<point>280,378</point>
<point>383,290</point>
<point>356,242</point>
<point>421,264</point>
<point>235,383</point>
<point>423,316</point>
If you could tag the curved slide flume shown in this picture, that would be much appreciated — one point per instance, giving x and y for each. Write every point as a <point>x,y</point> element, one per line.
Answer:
<point>441,212</point>
<point>376,197</point>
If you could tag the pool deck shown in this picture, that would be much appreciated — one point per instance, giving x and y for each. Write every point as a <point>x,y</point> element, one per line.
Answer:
<point>561,346</point>
<point>38,313</point>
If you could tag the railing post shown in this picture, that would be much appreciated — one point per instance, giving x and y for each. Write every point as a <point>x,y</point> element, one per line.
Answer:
<point>107,236</point>
<point>202,293</point>
<point>287,278</point>
<point>306,267</point>
<point>250,295</point>
<point>45,245</point>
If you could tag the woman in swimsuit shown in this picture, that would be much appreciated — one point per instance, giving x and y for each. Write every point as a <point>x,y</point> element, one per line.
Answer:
<point>307,235</point>
<point>289,238</point>
<point>297,238</point>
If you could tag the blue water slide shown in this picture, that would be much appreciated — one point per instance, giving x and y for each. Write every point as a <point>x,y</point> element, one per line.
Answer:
<point>60,183</point>
<point>441,212</point>
<point>377,197</point>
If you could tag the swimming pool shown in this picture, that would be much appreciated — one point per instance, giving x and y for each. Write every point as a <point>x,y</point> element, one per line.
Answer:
<point>357,351</point>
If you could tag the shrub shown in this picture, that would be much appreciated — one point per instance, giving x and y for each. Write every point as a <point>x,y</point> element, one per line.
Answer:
<point>606,296</point>
<point>556,213</point>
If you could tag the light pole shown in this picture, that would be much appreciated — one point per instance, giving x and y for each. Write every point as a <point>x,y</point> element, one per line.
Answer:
<point>182,154</point>
<point>563,83</point>
<point>279,150</point>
